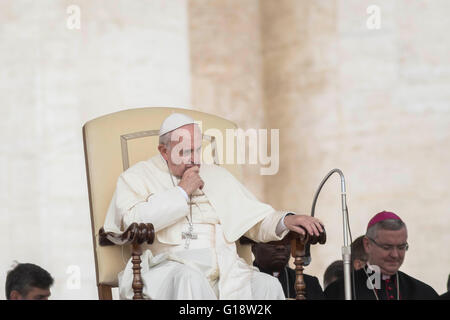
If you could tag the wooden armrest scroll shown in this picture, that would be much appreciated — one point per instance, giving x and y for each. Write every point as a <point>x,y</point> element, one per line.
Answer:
<point>136,234</point>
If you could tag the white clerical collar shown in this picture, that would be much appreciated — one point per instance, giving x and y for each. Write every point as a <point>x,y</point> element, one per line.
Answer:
<point>385,277</point>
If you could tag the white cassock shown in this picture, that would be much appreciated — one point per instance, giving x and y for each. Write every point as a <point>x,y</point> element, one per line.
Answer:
<point>221,213</point>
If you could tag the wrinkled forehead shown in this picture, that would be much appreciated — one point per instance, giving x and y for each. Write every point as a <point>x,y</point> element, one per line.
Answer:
<point>188,134</point>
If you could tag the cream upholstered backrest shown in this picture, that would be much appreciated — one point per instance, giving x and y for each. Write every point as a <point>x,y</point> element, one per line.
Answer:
<point>113,143</point>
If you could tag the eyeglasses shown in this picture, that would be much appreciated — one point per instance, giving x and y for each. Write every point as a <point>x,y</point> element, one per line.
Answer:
<point>389,247</point>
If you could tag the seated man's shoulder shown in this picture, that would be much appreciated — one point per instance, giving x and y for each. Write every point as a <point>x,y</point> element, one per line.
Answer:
<point>135,169</point>
<point>139,174</point>
<point>142,166</point>
<point>423,290</point>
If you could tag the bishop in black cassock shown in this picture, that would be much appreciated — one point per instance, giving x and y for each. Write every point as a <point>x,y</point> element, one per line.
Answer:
<point>385,243</point>
<point>408,288</point>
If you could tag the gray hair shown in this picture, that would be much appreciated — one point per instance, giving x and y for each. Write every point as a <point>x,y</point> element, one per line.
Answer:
<point>165,139</point>
<point>388,224</point>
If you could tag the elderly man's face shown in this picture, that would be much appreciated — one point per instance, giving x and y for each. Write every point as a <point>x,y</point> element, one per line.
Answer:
<point>184,150</point>
<point>387,250</point>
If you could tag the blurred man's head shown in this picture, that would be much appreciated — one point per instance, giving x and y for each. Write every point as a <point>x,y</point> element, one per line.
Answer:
<point>271,258</point>
<point>386,242</point>
<point>180,143</point>
<point>359,255</point>
<point>28,281</point>
<point>333,273</point>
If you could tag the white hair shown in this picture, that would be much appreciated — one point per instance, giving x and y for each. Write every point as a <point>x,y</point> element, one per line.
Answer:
<point>165,139</point>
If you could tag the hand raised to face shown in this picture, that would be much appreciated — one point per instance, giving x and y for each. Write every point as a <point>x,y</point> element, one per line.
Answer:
<point>191,181</point>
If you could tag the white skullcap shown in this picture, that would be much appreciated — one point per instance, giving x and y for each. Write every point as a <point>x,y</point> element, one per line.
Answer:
<point>174,121</point>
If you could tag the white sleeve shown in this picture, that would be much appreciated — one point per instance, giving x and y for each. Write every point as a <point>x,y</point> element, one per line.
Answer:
<point>161,209</point>
<point>184,193</point>
<point>281,227</point>
<point>268,229</point>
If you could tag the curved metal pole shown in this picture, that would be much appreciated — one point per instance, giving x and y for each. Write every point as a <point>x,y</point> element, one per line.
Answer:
<point>346,249</point>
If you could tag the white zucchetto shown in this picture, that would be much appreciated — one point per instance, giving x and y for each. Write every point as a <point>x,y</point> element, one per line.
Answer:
<point>174,121</point>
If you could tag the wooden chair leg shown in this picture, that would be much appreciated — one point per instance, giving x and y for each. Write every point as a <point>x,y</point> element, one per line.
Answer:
<point>138,285</point>
<point>300,285</point>
<point>104,292</point>
<point>298,251</point>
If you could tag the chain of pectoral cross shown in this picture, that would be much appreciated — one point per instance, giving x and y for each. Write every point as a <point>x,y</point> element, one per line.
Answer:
<point>189,235</point>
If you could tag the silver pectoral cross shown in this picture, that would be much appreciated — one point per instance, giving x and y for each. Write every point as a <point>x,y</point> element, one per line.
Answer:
<point>188,236</point>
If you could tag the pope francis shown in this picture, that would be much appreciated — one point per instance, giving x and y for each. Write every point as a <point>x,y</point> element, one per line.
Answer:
<point>198,212</point>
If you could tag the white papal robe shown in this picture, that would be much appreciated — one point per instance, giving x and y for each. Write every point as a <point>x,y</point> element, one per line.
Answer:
<point>221,213</point>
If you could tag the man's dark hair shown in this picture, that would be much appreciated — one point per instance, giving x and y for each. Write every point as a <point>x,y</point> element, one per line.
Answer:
<point>26,276</point>
<point>333,272</point>
<point>358,251</point>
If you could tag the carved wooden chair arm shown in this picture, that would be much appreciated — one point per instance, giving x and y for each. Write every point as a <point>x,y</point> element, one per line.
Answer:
<point>136,235</point>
